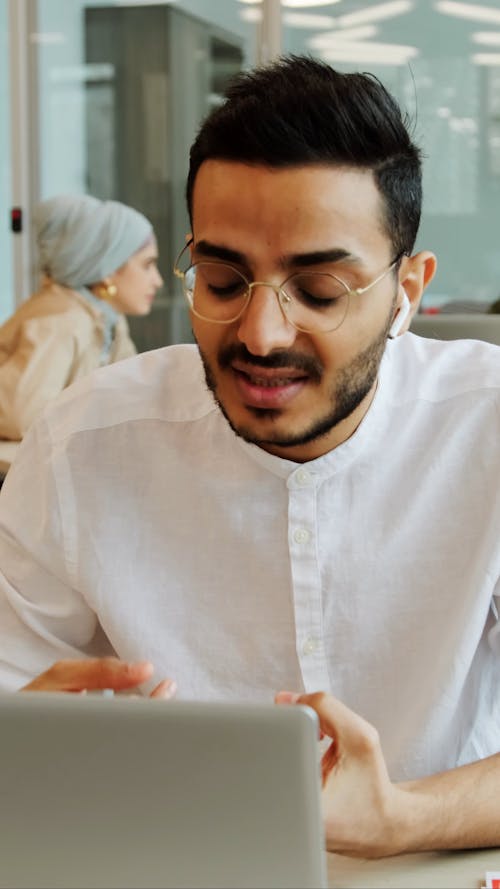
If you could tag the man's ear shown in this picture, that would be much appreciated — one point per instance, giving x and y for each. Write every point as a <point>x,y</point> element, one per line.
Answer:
<point>415,274</point>
<point>402,317</point>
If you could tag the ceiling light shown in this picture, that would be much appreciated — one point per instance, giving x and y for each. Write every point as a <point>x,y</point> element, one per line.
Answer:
<point>469,11</point>
<point>306,20</point>
<point>487,38</point>
<point>251,15</point>
<point>375,53</point>
<point>92,71</point>
<point>298,4</point>
<point>363,58</point>
<point>303,4</point>
<point>47,38</point>
<point>141,2</point>
<point>486,58</point>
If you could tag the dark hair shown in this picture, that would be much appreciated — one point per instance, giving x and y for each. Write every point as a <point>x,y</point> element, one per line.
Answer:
<point>299,111</point>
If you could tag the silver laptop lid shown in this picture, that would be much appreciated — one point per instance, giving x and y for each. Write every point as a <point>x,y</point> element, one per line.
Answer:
<point>129,792</point>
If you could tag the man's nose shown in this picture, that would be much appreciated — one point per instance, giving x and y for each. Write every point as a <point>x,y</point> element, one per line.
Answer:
<point>263,326</point>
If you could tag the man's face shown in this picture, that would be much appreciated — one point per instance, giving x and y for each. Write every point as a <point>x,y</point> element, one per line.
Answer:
<point>294,394</point>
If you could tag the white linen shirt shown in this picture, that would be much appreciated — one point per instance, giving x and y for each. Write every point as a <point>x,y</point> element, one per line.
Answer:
<point>134,522</point>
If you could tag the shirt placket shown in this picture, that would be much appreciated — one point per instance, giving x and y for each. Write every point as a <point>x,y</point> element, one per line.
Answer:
<point>303,548</point>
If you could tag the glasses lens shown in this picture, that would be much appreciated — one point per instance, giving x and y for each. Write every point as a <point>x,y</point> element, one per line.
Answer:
<point>316,301</point>
<point>215,291</point>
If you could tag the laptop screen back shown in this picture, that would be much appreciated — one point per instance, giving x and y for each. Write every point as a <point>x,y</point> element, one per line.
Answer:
<point>129,792</point>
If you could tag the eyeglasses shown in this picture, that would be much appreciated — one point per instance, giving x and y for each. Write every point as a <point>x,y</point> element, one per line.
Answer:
<point>313,302</point>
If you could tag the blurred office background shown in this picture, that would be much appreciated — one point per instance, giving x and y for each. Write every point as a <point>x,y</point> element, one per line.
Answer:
<point>105,96</point>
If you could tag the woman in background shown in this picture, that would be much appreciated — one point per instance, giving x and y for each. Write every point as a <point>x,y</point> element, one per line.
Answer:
<point>99,263</point>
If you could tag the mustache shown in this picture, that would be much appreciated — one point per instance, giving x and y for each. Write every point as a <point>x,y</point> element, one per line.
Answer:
<point>279,358</point>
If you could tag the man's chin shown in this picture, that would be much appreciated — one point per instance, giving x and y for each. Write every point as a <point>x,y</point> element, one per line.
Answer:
<point>270,430</point>
<point>276,429</point>
<point>260,426</point>
<point>257,426</point>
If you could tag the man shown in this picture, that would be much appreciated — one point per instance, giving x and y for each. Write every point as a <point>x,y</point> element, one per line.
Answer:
<point>309,501</point>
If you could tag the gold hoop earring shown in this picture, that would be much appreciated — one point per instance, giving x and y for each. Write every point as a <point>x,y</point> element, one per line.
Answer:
<point>107,291</point>
<point>111,291</point>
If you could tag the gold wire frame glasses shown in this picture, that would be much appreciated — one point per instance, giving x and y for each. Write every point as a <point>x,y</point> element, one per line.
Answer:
<point>219,293</point>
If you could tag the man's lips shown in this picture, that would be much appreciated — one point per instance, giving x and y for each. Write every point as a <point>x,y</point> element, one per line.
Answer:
<point>268,387</point>
<point>269,376</point>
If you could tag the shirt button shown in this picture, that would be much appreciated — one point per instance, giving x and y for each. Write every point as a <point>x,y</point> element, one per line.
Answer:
<point>301,535</point>
<point>303,477</point>
<point>310,645</point>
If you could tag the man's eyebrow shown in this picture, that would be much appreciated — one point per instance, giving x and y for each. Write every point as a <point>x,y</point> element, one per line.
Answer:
<point>217,251</point>
<point>318,257</point>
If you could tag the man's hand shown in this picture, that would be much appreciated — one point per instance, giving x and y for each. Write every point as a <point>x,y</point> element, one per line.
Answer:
<point>98,673</point>
<point>367,815</point>
<point>362,809</point>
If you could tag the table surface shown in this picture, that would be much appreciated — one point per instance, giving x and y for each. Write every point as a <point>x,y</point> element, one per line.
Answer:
<point>428,870</point>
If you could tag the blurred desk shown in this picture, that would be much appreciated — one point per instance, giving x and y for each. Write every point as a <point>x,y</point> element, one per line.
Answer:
<point>427,870</point>
<point>8,450</point>
<point>453,327</point>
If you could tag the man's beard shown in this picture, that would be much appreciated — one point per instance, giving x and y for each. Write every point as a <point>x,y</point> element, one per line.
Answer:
<point>353,384</point>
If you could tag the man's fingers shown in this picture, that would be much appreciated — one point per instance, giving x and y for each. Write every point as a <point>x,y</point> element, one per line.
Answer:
<point>287,697</point>
<point>336,720</point>
<point>165,690</point>
<point>92,673</point>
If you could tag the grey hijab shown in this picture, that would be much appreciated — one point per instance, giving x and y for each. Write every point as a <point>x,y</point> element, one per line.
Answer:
<point>81,239</point>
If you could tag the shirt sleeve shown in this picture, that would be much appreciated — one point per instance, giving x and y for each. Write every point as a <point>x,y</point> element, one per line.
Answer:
<point>43,617</point>
<point>39,369</point>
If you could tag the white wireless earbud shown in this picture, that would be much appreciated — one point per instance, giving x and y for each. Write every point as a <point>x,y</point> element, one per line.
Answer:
<point>402,315</point>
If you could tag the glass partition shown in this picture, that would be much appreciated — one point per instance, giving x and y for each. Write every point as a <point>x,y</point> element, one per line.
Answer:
<point>442,61</point>
<point>122,90</point>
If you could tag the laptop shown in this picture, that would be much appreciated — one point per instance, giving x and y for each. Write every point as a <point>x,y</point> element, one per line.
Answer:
<point>131,792</point>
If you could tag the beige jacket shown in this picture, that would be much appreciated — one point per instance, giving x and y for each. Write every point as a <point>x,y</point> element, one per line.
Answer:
<point>53,339</point>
